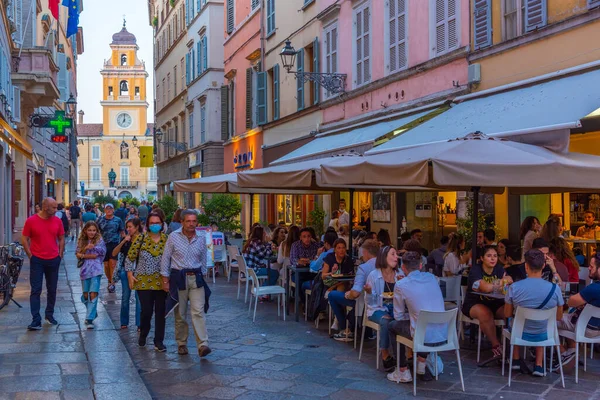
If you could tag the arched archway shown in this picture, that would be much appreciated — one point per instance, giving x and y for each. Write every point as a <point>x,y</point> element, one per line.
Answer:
<point>124,194</point>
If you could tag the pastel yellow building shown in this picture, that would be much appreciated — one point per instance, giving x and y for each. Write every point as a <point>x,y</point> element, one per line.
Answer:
<point>109,152</point>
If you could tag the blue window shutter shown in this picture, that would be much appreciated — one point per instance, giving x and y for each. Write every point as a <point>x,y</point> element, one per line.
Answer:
<point>199,60</point>
<point>316,68</point>
<point>275,92</point>
<point>187,69</point>
<point>270,16</point>
<point>300,81</point>
<point>482,16</point>
<point>536,14</point>
<point>198,6</point>
<point>261,92</point>
<point>205,54</point>
<point>193,68</point>
<point>593,3</point>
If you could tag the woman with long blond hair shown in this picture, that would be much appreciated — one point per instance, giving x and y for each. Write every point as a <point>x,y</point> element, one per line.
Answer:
<point>91,249</point>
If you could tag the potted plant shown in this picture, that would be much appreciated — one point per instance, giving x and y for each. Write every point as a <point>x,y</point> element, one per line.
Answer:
<point>155,21</point>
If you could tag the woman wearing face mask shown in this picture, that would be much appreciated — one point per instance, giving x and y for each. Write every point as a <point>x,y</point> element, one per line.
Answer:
<point>143,272</point>
<point>380,299</point>
<point>133,228</point>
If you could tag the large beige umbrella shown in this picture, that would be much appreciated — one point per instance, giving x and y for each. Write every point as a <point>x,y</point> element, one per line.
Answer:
<point>473,161</point>
<point>228,183</point>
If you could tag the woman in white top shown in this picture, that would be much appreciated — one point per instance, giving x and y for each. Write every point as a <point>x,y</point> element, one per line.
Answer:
<point>334,222</point>
<point>530,230</point>
<point>283,253</point>
<point>454,261</point>
<point>380,307</point>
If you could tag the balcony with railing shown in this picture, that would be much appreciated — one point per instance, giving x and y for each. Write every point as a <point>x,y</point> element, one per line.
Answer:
<point>126,184</point>
<point>35,72</point>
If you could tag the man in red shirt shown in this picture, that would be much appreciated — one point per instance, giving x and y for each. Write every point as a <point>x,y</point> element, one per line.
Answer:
<point>43,239</point>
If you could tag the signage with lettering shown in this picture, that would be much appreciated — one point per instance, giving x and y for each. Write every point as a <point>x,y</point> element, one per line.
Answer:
<point>242,160</point>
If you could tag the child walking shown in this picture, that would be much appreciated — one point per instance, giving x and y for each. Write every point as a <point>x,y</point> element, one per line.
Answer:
<point>91,249</point>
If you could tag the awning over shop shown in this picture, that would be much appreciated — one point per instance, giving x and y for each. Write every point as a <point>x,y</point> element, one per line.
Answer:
<point>228,183</point>
<point>345,141</point>
<point>8,134</point>
<point>550,106</point>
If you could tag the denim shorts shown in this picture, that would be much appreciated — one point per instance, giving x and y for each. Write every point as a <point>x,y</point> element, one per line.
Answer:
<point>91,285</point>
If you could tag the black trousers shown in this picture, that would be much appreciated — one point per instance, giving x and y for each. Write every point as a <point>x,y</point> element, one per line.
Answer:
<point>153,301</point>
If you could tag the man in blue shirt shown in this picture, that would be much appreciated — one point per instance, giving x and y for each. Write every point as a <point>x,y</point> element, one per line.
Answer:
<point>328,240</point>
<point>588,295</point>
<point>340,300</point>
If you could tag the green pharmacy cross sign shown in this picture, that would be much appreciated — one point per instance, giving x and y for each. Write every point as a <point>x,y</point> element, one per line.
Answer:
<point>59,123</point>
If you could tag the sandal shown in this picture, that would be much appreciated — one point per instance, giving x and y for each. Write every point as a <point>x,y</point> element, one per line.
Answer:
<point>123,326</point>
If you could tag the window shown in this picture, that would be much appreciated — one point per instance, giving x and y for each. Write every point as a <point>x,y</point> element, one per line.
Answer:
<point>514,18</point>
<point>191,118</point>
<point>96,174</point>
<point>96,153</point>
<point>169,87</point>
<point>362,44</point>
<point>164,92</point>
<point>444,26</point>
<point>275,95</point>
<point>261,98</point>
<point>230,16</point>
<point>203,123</point>
<point>152,174</point>
<point>124,176</point>
<point>255,4</point>
<point>137,91</point>
<point>123,88</point>
<point>395,35</point>
<point>123,59</point>
<point>182,74</point>
<point>330,53</point>
<point>110,90</point>
<point>157,95</point>
<point>270,16</point>
<point>175,80</point>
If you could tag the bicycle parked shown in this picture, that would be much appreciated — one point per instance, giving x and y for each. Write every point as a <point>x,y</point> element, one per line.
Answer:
<point>11,262</point>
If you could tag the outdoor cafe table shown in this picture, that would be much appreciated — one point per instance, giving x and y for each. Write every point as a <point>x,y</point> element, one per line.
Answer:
<point>297,271</point>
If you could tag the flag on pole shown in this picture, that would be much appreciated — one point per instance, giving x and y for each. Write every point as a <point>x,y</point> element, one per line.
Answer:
<point>53,6</point>
<point>73,21</point>
<point>146,159</point>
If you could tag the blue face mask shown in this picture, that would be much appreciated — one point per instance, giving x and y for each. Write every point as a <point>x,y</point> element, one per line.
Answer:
<point>155,228</point>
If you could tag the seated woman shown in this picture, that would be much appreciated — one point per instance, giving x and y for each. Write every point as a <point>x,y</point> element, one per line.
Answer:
<point>337,263</point>
<point>380,306</point>
<point>478,306</point>
<point>454,261</point>
<point>257,253</point>
<point>562,252</point>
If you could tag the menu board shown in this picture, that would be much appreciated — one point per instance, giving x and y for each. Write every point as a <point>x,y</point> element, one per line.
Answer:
<point>210,256</point>
<point>218,240</point>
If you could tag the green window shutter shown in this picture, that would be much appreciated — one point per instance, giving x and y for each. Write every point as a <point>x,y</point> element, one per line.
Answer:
<point>536,14</point>
<point>230,16</point>
<point>261,93</point>
<point>482,16</point>
<point>300,81</point>
<point>224,113</point>
<point>275,92</point>
<point>205,53</point>
<point>316,68</point>
<point>249,98</point>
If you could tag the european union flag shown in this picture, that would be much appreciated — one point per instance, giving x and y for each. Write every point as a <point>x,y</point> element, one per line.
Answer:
<point>73,21</point>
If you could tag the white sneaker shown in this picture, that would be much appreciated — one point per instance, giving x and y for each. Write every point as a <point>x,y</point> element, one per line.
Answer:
<point>334,326</point>
<point>400,376</point>
<point>421,367</point>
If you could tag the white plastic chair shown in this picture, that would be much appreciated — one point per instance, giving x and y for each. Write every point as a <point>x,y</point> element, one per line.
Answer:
<point>515,335</point>
<point>452,290</point>
<point>232,253</point>
<point>418,341</point>
<point>465,318</point>
<point>579,336</point>
<point>366,323</point>
<point>243,276</point>
<point>258,290</point>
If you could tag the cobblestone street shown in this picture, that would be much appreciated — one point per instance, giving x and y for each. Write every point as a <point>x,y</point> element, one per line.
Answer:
<point>268,359</point>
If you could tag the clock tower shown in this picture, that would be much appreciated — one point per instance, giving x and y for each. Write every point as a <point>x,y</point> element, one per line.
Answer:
<point>124,77</point>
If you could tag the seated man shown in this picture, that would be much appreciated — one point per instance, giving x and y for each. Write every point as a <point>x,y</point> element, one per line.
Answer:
<point>317,265</point>
<point>418,291</point>
<point>554,271</point>
<point>437,255</point>
<point>588,295</point>
<point>340,300</point>
<point>536,293</point>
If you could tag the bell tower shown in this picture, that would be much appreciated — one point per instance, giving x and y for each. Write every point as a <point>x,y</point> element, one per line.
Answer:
<point>124,76</point>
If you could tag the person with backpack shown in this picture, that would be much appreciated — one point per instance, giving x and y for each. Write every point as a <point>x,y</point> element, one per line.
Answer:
<point>62,214</point>
<point>75,212</point>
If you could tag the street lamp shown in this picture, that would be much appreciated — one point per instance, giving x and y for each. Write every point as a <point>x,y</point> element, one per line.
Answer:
<point>158,135</point>
<point>334,83</point>
<point>134,141</point>
<point>71,105</point>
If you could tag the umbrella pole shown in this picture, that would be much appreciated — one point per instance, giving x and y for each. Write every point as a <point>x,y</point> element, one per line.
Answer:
<point>251,208</point>
<point>351,222</point>
<point>475,217</point>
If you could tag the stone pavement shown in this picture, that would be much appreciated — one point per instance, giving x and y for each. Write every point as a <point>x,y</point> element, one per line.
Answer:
<point>67,361</point>
<point>272,359</point>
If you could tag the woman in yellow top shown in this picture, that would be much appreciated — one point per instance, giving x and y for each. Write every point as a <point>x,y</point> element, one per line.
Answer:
<point>143,272</point>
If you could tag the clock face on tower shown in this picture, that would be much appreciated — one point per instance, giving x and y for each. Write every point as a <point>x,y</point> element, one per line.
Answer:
<point>124,120</point>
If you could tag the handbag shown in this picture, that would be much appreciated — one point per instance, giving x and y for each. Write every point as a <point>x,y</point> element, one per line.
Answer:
<point>80,262</point>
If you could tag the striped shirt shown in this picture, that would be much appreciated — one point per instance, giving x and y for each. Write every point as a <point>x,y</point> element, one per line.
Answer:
<point>183,253</point>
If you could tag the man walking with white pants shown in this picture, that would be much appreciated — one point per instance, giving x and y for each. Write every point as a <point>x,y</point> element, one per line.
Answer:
<point>183,266</point>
